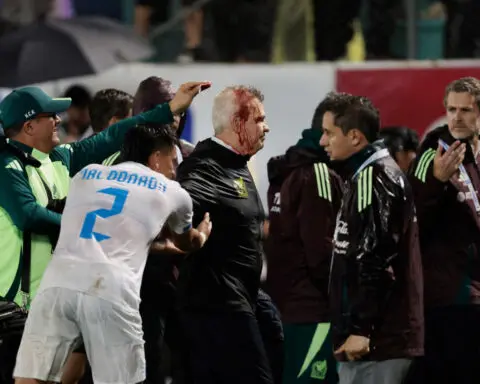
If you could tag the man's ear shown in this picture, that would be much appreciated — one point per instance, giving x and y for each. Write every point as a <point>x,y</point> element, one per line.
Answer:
<point>358,137</point>
<point>154,161</point>
<point>28,128</point>
<point>355,137</point>
<point>113,120</point>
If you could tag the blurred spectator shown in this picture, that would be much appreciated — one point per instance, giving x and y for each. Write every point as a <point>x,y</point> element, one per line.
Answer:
<point>77,119</point>
<point>62,9</point>
<point>381,27</point>
<point>17,13</point>
<point>112,9</point>
<point>243,29</point>
<point>333,27</point>
<point>462,35</point>
<point>193,35</point>
<point>108,107</point>
<point>149,14</point>
<point>402,142</point>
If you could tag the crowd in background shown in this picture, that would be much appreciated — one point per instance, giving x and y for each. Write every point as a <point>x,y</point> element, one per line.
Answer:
<point>279,30</point>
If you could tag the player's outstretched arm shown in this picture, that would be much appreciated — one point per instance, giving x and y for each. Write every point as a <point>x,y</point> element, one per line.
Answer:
<point>194,238</point>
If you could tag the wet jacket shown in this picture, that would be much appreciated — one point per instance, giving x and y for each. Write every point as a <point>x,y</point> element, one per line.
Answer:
<point>303,200</point>
<point>449,227</point>
<point>376,286</point>
<point>224,275</point>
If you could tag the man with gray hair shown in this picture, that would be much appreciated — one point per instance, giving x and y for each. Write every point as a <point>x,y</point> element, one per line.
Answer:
<point>218,287</point>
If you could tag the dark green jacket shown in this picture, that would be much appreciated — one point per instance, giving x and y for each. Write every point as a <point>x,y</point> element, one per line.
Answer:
<point>23,197</point>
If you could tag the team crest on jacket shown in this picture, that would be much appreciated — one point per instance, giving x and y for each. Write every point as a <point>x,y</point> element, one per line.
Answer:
<point>241,188</point>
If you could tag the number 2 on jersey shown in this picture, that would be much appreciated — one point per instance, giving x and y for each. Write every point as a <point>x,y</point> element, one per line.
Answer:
<point>91,217</point>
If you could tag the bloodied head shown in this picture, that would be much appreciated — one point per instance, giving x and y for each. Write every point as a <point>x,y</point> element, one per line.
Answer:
<point>239,119</point>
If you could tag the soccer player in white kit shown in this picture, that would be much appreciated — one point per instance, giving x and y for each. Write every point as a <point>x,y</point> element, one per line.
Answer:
<point>90,291</point>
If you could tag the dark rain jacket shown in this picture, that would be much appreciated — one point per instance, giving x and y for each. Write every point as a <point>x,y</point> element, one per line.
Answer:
<point>376,286</point>
<point>224,275</point>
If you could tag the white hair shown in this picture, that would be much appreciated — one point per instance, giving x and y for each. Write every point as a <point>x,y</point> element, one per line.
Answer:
<point>225,106</point>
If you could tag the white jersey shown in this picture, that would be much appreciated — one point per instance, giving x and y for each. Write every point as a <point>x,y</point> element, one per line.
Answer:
<point>111,216</point>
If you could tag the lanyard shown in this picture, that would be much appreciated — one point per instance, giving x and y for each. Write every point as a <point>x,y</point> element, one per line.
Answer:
<point>374,157</point>
<point>466,180</point>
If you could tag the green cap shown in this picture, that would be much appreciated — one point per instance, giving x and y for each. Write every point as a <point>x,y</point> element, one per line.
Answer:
<point>24,104</point>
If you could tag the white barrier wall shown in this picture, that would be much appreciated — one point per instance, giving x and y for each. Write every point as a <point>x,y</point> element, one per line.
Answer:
<point>407,93</point>
<point>291,92</point>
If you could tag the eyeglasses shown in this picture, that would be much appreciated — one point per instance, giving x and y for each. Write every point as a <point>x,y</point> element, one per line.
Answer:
<point>46,115</point>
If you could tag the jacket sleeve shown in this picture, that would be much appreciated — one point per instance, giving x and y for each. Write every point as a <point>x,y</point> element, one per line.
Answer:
<point>316,217</point>
<point>97,148</point>
<point>17,199</point>
<point>196,178</point>
<point>427,190</point>
<point>370,225</point>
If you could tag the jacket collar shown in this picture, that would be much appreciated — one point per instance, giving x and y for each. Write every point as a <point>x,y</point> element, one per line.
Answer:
<point>42,157</point>
<point>354,162</point>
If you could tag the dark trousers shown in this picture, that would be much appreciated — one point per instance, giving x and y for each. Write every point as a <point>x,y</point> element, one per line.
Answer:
<point>8,355</point>
<point>271,329</point>
<point>161,327</point>
<point>452,345</point>
<point>225,348</point>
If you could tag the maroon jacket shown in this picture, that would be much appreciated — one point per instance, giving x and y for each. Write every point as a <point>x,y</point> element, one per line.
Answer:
<point>303,199</point>
<point>449,227</point>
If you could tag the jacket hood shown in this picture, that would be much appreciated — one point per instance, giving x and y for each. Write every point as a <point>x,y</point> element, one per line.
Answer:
<point>306,151</point>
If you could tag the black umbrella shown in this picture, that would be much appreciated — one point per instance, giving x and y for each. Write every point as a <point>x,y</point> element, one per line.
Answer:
<point>58,49</point>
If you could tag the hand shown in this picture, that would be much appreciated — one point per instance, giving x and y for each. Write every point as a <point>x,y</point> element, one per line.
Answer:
<point>446,164</point>
<point>185,94</point>
<point>164,247</point>
<point>57,205</point>
<point>205,226</point>
<point>355,347</point>
<point>171,249</point>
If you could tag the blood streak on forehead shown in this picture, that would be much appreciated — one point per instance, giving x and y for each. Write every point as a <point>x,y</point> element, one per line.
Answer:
<point>243,98</point>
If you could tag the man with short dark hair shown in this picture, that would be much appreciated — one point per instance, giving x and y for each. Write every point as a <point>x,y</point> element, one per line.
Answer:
<point>303,199</point>
<point>402,143</point>
<point>446,184</point>
<point>159,317</point>
<point>108,107</point>
<point>376,286</point>
<point>77,121</point>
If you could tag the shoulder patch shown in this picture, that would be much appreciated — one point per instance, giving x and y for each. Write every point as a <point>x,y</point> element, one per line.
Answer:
<point>422,166</point>
<point>365,187</point>
<point>323,181</point>
<point>14,164</point>
<point>241,188</point>
<point>66,146</point>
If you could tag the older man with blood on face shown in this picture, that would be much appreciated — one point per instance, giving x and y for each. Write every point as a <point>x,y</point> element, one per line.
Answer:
<point>217,288</point>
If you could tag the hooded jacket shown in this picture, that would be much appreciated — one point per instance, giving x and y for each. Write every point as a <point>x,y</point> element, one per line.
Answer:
<point>224,275</point>
<point>376,287</point>
<point>449,226</point>
<point>303,199</point>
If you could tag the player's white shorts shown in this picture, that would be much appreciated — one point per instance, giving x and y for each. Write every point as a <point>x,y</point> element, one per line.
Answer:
<point>60,318</point>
